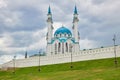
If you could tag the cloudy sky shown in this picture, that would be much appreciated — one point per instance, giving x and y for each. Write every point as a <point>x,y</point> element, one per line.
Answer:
<point>23,24</point>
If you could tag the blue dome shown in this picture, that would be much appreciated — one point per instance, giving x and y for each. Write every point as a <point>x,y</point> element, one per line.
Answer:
<point>62,30</point>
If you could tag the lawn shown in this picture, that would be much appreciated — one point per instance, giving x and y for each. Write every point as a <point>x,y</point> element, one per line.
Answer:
<point>103,69</point>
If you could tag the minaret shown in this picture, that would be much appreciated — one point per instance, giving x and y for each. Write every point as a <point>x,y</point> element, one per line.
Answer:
<point>49,25</point>
<point>75,25</point>
<point>50,32</point>
<point>76,37</point>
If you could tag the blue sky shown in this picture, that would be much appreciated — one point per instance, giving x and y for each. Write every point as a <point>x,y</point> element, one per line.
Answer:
<point>23,24</point>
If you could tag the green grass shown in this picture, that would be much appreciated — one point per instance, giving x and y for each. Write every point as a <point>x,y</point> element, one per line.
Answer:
<point>103,69</point>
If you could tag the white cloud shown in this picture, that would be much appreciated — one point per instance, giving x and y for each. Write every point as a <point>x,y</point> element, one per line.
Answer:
<point>87,44</point>
<point>57,25</point>
<point>3,3</point>
<point>31,41</point>
<point>41,44</point>
<point>5,41</point>
<point>40,40</point>
<point>106,9</point>
<point>6,58</point>
<point>12,20</point>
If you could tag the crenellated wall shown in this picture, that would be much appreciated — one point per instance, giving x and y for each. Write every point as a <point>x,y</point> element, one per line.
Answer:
<point>98,53</point>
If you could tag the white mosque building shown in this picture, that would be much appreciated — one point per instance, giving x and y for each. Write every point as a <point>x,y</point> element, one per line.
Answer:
<point>62,45</point>
<point>63,41</point>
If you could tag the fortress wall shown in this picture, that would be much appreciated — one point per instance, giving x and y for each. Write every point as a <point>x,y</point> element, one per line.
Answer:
<point>83,55</point>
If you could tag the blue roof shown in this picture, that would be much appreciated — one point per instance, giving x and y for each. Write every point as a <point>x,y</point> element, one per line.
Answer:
<point>62,30</point>
<point>75,10</point>
<point>49,10</point>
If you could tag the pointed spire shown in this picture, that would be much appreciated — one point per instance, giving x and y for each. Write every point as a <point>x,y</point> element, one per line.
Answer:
<point>75,10</point>
<point>49,10</point>
<point>49,15</point>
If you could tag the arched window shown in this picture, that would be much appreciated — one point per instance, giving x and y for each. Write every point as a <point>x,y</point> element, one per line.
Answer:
<point>60,35</point>
<point>69,35</point>
<point>62,47</point>
<point>66,47</point>
<point>65,34</point>
<point>56,35</point>
<point>55,48</point>
<point>59,47</point>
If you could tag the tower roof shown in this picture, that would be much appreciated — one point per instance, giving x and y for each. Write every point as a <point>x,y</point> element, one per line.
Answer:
<point>75,10</point>
<point>49,10</point>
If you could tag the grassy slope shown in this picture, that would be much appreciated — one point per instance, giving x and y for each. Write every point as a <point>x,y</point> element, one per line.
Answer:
<point>86,70</point>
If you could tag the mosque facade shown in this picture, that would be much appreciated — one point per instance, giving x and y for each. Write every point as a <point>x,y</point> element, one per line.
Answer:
<point>62,41</point>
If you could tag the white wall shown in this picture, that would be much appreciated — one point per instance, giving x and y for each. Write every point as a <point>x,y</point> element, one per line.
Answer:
<point>97,53</point>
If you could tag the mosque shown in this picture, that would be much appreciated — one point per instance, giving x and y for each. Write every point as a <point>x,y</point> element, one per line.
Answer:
<point>63,47</point>
<point>63,41</point>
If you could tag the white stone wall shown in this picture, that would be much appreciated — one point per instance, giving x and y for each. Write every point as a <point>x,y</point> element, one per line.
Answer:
<point>98,53</point>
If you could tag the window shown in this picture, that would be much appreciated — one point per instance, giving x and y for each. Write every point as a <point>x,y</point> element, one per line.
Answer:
<point>60,35</point>
<point>62,47</point>
<point>66,47</point>
<point>55,48</point>
<point>59,47</point>
<point>65,35</point>
<point>68,35</point>
<point>56,35</point>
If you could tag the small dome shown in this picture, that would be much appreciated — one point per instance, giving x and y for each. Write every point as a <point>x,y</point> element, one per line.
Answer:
<point>62,30</point>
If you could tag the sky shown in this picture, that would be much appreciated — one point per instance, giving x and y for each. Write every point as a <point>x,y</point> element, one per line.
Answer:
<point>23,25</point>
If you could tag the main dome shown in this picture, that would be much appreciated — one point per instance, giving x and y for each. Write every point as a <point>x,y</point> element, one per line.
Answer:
<point>62,30</point>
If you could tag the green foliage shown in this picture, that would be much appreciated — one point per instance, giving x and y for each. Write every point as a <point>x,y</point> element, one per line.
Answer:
<point>103,69</point>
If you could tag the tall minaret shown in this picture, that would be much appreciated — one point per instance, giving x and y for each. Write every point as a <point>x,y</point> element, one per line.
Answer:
<point>50,26</point>
<point>75,30</point>
<point>75,25</point>
<point>50,31</point>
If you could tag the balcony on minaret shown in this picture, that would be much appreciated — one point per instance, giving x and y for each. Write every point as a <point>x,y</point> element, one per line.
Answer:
<point>75,19</point>
<point>49,19</point>
<point>49,15</point>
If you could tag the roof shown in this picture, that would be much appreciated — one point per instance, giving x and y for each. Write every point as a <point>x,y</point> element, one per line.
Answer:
<point>75,10</point>
<point>63,30</point>
<point>49,10</point>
